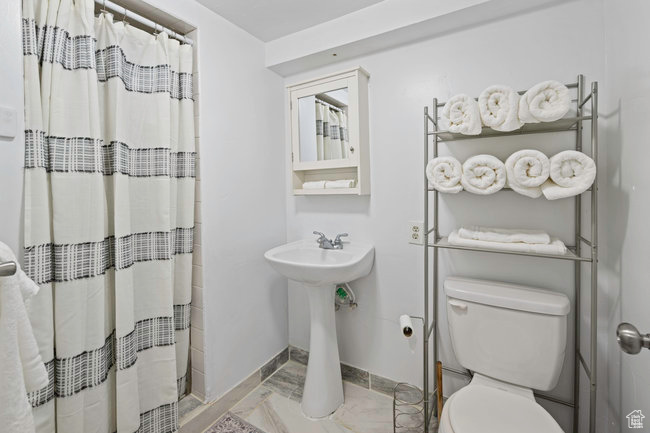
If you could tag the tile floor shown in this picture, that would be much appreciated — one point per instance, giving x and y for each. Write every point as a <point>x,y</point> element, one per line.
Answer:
<point>274,407</point>
<point>187,405</point>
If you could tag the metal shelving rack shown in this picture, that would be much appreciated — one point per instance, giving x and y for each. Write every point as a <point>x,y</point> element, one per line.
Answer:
<point>433,240</point>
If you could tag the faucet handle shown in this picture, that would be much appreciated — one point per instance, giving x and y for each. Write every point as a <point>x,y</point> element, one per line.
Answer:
<point>321,236</point>
<point>337,240</point>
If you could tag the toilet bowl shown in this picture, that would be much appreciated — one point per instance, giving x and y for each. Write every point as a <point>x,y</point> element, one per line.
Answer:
<point>491,406</point>
<point>514,339</point>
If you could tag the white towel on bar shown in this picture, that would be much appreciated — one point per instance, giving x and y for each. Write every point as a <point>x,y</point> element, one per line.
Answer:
<point>344,183</point>
<point>483,174</point>
<point>444,174</point>
<point>544,102</point>
<point>571,173</point>
<point>499,107</point>
<point>21,365</point>
<point>461,115</point>
<point>527,170</point>
<point>315,184</point>
<point>556,246</point>
<point>491,234</point>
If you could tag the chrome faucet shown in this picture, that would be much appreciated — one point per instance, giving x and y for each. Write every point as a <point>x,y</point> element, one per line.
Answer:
<point>328,244</point>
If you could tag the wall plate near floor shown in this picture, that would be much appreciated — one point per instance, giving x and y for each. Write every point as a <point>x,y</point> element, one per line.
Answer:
<point>416,232</point>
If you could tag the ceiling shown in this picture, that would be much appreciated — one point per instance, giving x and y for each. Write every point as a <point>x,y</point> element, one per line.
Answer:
<point>272,19</point>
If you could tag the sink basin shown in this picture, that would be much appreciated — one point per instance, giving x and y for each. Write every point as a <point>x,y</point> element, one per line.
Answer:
<point>304,261</point>
<point>320,270</point>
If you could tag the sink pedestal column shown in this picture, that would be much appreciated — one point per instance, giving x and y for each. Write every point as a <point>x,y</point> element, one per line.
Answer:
<point>323,392</point>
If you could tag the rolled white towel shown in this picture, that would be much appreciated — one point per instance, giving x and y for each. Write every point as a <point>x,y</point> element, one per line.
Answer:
<point>314,184</point>
<point>483,174</point>
<point>461,115</point>
<point>499,107</point>
<point>544,102</point>
<point>571,173</point>
<point>444,174</point>
<point>527,170</point>
<point>556,246</point>
<point>491,234</point>
<point>345,183</point>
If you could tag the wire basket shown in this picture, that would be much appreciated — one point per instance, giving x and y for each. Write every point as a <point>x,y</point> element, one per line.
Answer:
<point>408,409</point>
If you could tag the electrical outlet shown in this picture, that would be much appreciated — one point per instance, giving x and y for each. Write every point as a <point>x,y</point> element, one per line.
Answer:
<point>416,232</point>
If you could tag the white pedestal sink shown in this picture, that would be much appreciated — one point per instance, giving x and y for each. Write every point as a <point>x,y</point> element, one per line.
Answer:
<point>320,270</point>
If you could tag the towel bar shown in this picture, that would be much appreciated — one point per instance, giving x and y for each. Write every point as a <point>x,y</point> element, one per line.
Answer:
<point>7,269</point>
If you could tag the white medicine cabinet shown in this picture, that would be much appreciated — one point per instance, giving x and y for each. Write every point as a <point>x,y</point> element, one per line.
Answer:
<point>329,134</point>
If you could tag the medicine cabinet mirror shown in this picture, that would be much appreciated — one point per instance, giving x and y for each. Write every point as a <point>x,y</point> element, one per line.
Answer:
<point>329,134</point>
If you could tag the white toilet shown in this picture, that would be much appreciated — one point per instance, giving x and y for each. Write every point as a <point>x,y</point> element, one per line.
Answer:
<point>513,338</point>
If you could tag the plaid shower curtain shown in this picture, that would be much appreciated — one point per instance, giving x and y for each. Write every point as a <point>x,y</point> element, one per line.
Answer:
<point>109,202</point>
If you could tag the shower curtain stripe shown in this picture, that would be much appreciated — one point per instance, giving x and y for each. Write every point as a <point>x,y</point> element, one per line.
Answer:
<point>90,155</point>
<point>91,368</point>
<point>55,45</point>
<point>58,263</point>
<point>109,218</point>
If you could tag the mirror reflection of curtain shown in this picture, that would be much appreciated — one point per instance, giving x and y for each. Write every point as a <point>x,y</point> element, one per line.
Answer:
<point>320,115</point>
<point>334,150</point>
<point>343,134</point>
<point>331,132</point>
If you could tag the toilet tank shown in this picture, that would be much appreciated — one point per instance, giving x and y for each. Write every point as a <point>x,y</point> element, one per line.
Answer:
<point>508,332</point>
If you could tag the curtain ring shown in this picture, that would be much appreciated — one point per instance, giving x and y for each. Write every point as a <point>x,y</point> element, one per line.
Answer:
<point>124,18</point>
<point>104,6</point>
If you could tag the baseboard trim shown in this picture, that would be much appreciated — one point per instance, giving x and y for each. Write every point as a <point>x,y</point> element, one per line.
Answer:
<point>351,374</point>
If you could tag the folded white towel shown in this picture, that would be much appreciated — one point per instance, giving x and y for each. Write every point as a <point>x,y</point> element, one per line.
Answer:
<point>571,173</point>
<point>527,170</point>
<point>483,174</point>
<point>544,102</point>
<point>556,246</point>
<point>20,362</point>
<point>316,184</point>
<point>345,183</point>
<point>490,234</point>
<point>499,107</point>
<point>444,174</point>
<point>461,115</point>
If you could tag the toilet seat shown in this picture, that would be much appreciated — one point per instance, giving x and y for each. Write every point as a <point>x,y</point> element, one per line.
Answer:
<point>485,409</point>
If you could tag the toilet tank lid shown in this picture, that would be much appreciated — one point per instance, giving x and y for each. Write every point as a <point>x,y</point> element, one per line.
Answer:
<point>507,295</point>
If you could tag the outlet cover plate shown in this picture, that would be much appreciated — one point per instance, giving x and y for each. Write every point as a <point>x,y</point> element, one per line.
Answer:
<point>416,232</point>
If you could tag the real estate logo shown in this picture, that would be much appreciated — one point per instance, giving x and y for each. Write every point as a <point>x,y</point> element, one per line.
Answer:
<point>635,419</point>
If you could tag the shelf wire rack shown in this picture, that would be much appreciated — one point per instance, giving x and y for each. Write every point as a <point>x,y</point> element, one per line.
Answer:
<point>408,408</point>
<point>584,251</point>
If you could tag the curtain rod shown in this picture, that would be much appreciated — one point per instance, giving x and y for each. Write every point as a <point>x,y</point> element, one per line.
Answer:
<point>329,105</point>
<point>107,4</point>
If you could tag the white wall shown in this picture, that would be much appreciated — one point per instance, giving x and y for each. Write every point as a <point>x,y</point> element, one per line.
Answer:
<point>518,51</point>
<point>242,183</point>
<point>242,200</point>
<point>11,151</point>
